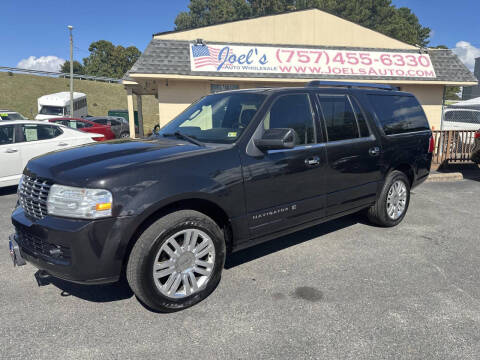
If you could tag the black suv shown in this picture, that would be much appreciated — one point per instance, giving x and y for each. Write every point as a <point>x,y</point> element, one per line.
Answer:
<point>234,169</point>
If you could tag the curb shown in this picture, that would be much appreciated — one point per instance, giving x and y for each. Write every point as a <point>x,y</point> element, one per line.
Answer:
<point>444,177</point>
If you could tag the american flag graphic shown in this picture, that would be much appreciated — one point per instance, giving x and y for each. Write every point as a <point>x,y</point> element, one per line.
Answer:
<point>204,55</point>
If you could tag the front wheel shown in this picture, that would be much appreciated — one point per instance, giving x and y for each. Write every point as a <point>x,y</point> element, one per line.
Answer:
<point>392,204</point>
<point>177,261</point>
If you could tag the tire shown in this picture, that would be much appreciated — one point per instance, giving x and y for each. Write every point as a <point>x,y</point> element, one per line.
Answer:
<point>124,135</point>
<point>155,247</point>
<point>378,213</point>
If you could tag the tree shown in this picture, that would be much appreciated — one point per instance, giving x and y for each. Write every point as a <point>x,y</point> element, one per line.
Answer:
<point>108,60</point>
<point>77,67</point>
<point>379,15</point>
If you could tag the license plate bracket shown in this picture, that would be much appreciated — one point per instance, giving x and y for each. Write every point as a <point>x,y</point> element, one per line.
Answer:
<point>15,255</point>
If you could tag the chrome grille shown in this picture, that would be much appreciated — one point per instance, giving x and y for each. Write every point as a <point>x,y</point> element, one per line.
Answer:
<point>33,194</point>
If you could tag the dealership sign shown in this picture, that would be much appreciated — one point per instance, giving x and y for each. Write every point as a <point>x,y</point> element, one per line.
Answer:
<point>269,60</point>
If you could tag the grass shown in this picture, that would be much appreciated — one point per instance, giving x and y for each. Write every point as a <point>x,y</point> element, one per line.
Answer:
<point>19,92</point>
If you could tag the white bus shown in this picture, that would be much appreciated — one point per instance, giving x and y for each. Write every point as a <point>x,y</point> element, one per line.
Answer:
<point>58,105</point>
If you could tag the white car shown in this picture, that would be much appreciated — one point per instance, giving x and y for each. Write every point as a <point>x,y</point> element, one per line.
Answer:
<point>21,140</point>
<point>11,115</point>
<point>461,119</point>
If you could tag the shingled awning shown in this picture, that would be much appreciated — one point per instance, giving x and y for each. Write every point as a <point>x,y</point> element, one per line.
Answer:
<point>172,57</point>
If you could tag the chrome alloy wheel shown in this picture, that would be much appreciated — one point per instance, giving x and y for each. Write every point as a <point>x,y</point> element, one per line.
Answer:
<point>396,199</point>
<point>184,263</point>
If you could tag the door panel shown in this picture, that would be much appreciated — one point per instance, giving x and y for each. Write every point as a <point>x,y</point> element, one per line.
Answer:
<point>353,153</point>
<point>11,168</point>
<point>353,174</point>
<point>284,188</point>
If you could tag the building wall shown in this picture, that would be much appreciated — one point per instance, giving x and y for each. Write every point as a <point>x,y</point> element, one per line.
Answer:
<point>309,27</point>
<point>175,96</point>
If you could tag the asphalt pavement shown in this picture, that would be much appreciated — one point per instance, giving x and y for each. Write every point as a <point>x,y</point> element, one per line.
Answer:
<point>341,290</point>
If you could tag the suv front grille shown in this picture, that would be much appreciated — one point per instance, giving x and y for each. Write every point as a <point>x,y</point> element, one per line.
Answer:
<point>33,194</point>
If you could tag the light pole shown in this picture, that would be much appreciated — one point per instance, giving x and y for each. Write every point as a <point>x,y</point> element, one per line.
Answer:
<point>70,28</point>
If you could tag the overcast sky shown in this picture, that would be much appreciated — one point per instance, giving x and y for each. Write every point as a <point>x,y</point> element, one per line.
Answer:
<point>35,35</point>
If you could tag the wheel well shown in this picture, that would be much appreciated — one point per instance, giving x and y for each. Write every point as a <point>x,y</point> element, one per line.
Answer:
<point>407,170</point>
<point>215,212</point>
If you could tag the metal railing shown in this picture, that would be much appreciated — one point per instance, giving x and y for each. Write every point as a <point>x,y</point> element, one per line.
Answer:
<point>59,74</point>
<point>453,146</point>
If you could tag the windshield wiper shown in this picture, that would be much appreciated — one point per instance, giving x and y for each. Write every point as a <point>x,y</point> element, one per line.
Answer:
<point>179,135</point>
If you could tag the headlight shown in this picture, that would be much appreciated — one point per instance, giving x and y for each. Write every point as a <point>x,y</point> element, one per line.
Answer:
<point>81,203</point>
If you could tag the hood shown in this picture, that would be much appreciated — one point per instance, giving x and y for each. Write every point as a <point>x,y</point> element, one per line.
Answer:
<point>85,164</point>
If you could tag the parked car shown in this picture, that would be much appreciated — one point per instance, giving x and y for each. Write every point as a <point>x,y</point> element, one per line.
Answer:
<point>118,124</point>
<point>461,119</point>
<point>86,126</point>
<point>235,169</point>
<point>476,148</point>
<point>11,115</point>
<point>21,140</point>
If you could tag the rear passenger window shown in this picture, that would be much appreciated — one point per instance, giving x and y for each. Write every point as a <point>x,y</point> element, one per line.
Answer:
<point>362,122</point>
<point>7,134</point>
<point>339,118</point>
<point>34,132</point>
<point>294,112</point>
<point>399,113</point>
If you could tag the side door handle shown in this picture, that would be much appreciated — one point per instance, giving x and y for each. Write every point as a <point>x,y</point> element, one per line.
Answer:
<point>11,150</point>
<point>62,144</point>
<point>374,151</point>
<point>312,161</point>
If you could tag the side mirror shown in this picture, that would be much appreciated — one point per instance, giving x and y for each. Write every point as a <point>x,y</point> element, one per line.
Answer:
<point>276,139</point>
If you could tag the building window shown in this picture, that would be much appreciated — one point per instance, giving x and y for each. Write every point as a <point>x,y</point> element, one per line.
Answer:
<point>214,88</point>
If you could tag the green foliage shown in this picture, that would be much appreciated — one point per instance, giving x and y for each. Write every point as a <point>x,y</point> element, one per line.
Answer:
<point>379,15</point>
<point>108,60</point>
<point>207,12</point>
<point>77,67</point>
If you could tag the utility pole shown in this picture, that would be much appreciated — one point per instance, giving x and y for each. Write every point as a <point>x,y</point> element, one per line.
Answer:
<point>70,28</point>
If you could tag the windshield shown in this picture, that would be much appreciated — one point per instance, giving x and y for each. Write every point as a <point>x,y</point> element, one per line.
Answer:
<point>11,116</point>
<point>218,118</point>
<point>51,110</point>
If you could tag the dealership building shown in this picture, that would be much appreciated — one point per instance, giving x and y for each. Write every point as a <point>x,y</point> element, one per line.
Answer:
<point>288,49</point>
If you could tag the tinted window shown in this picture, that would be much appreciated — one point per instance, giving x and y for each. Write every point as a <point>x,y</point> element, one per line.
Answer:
<point>7,134</point>
<point>339,118</point>
<point>362,122</point>
<point>100,121</point>
<point>399,114</point>
<point>33,132</point>
<point>294,112</point>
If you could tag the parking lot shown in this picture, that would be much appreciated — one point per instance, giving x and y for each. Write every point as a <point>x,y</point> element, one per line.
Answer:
<point>342,290</point>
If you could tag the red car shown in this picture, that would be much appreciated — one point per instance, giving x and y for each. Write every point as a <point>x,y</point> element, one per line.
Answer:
<point>86,126</point>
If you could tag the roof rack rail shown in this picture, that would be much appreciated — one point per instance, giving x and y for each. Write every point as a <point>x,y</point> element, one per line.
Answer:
<point>350,85</point>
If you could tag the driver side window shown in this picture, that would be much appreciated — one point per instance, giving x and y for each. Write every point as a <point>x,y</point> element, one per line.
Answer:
<point>292,111</point>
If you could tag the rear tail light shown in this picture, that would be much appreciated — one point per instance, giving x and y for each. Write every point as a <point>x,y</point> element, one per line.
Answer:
<point>98,138</point>
<point>431,145</point>
<point>477,134</point>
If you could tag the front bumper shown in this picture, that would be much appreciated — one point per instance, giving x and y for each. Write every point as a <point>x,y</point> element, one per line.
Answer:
<point>82,251</point>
